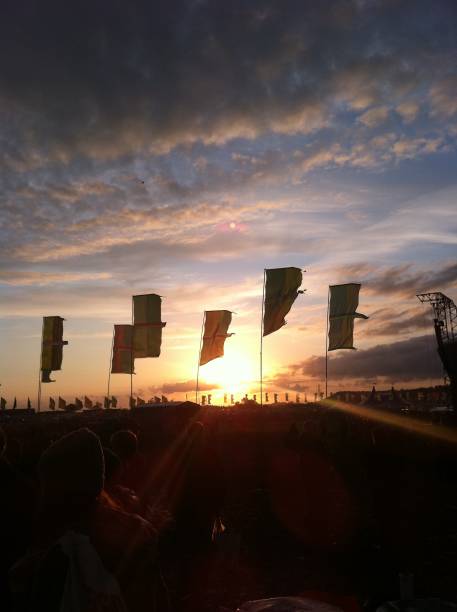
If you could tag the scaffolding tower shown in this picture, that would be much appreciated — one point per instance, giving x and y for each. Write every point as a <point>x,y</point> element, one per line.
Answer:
<point>445,322</point>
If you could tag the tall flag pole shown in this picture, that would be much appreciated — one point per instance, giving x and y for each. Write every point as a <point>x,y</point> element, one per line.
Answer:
<point>199,356</point>
<point>41,367</point>
<point>326,344</point>
<point>280,290</point>
<point>342,310</point>
<point>131,358</point>
<point>110,361</point>
<point>261,338</point>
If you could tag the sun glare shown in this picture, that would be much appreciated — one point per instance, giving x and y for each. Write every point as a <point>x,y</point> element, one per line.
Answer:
<point>234,373</point>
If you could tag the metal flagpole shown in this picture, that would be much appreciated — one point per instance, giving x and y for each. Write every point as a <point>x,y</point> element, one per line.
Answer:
<point>41,364</point>
<point>131,361</point>
<point>199,356</point>
<point>261,341</point>
<point>110,362</point>
<point>326,345</point>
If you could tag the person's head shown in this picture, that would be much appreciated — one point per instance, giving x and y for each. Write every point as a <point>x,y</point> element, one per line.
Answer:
<point>72,470</point>
<point>124,444</point>
<point>113,466</point>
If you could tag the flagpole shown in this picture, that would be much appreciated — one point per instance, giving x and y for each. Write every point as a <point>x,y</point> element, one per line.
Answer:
<point>326,345</point>
<point>199,355</point>
<point>39,371</point>
<point>110,362</point>
<point>261,341</point>
<point>131,362</point>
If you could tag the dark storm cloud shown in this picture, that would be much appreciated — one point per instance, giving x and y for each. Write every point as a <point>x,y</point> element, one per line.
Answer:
<point>105,78</point>
<point>390,322</point>
<point>413,359</point>
<point>402,281</point>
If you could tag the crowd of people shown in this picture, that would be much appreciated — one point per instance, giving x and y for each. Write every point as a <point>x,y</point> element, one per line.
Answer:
<point>112,518</point>
<point>87,531</point>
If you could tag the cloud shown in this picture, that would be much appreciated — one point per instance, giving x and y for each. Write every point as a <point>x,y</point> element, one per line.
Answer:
<point>408,111</point>
<point>391,322</point>
<point>31,278</point>
<point>443,97</point>
<point>374,116</point>
<point>409,360</point>
<point>402,281</point>
<point>410,148</point>
<point>284,380</point>
<point>187,386</point>
<point>216,72</point>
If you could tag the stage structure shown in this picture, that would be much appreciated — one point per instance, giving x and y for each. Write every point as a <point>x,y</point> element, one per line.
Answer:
<point>445,323</point>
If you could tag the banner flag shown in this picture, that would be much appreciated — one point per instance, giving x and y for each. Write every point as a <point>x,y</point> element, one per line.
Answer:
<point>217,323</point>
<point>106,403</point>
<point>29,404</point>
<point>88,402</point>
<point>15,404</point>
<point>122,361</point>
<point>62,404</point>
<point>132,402</point>
<point>147,325</point>
<point>344,300</point>
<point>51,347</point>
<point>3,403</point>
<point>52,403</point>
<point>281,290</point>
<point>113,401</point>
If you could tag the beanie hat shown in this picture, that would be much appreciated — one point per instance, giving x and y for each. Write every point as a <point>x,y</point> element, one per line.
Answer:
<point>73,466</point>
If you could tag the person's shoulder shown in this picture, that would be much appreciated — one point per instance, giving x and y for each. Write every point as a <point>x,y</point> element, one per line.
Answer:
<point>122,521</point>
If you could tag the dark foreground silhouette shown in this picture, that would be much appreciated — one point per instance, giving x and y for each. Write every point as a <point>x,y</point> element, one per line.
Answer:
<point>206,509</point>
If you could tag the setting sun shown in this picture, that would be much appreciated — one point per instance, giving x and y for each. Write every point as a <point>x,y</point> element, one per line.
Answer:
<point>233,373</point>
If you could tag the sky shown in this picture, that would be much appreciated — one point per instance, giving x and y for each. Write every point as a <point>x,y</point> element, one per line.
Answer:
<point>181,147</point>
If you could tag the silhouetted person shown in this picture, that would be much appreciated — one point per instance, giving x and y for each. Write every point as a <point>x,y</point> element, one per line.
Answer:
<point>124,444</point>
<point>74,505</point>
<point>16,515</point>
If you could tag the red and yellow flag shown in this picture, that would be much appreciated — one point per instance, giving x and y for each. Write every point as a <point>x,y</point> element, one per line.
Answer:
<point>122,360</point>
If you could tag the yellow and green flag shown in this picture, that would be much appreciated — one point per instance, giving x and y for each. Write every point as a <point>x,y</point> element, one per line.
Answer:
<point>217,323</point>
<point>147,325</point>
<point>344,300</point>
<point>281,290</point>
<point>52,344</point>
